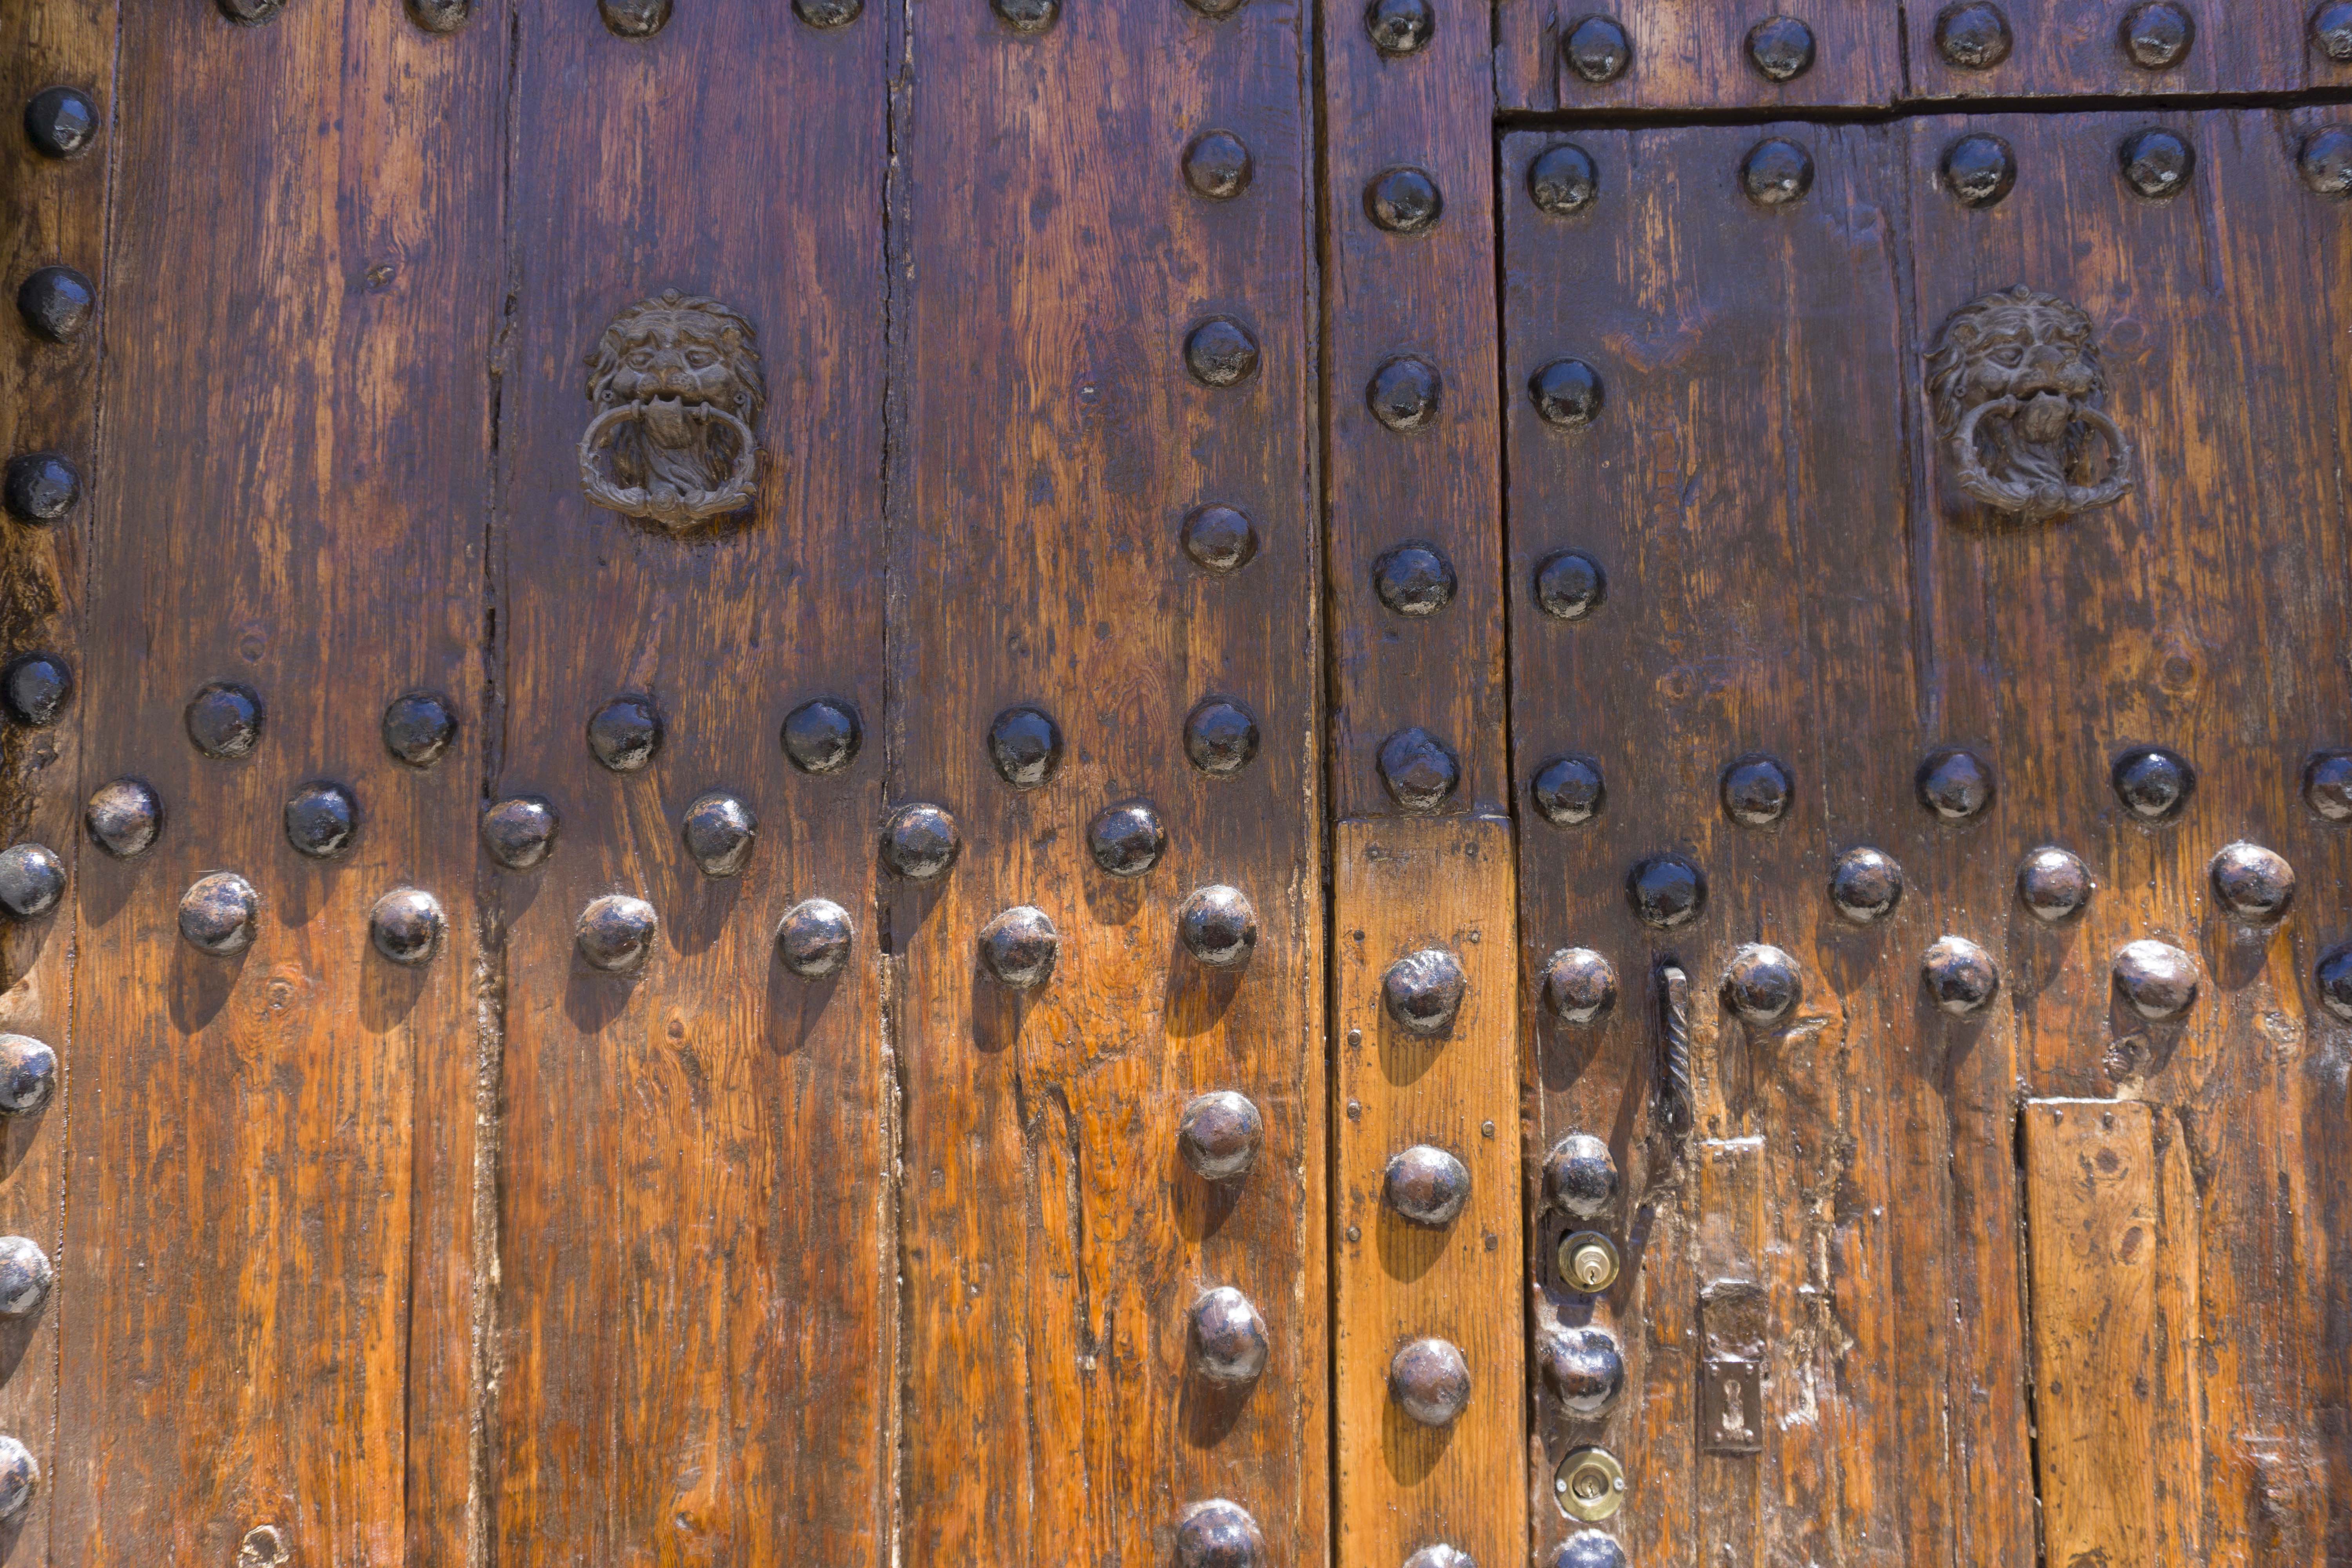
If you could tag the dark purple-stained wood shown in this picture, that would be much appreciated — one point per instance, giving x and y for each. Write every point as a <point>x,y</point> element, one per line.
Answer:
<point>695,1324</point>
<point>268,1294</point>
<point>2078,48</point>
<point>1054,260</point>
<point>1698,55</point>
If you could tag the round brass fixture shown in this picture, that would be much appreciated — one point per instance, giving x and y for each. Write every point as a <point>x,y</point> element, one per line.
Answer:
<point>1591,1485</point>
<point>1588,1261</point>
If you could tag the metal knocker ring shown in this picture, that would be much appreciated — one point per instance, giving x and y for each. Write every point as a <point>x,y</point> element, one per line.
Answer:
<point>671,508</point>
<point>2044,502</point>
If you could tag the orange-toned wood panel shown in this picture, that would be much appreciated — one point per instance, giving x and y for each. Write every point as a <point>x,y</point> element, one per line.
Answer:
<point>1694,55</point>
<point>270,1246</point>
<point>1425,1192</point>
<point>1105,254</point>
<point>2019,48</point>
<point>696,1312</point>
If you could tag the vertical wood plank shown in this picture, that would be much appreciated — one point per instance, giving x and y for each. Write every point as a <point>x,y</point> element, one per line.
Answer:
<point>698,1306</point>
<point>1694,55</point>
<point>1056,259</point>
<point>269,1251</point>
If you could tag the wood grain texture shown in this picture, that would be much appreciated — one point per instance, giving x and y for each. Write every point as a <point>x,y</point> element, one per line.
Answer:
<point>1401,886</point>
<point>1429,296</point>
<point>2175,619</point>
<point>1053,446</point>
<point>1694,55</point>
<point>696,1313</point>
<point>267,1293</point>
<point>2070,48</point>
<point>55,212</point>
<point>1746,488</point>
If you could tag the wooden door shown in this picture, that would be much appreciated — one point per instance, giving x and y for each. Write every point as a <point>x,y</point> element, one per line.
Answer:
<point>1200,782</point>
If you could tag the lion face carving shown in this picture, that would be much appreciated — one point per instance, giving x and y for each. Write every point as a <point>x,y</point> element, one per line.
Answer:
<point>676,386</point>
<point>2016,383</point>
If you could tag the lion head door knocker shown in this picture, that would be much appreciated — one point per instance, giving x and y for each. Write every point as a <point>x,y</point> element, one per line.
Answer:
<point>676,386</point>
<point>2016,381</point>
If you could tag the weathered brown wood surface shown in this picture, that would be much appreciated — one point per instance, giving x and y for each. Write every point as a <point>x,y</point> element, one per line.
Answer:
<point>268,1290</point>
<point>2068,47</point>
<point>697,1304</point>
<point>1696,54</point>
<point>1056,259</point>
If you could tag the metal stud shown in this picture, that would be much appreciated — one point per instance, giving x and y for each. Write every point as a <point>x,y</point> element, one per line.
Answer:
<point>1865,885</point>
<point>1564,180</point>
<point>828,14</point>
<point>1588,1262</point>
<point>1430,1380</point>
<point>1019,947</point>
<point>1978,170</point>
<point>32,881</point>
<point>61,122</point>
<point>219,914</point>
<point>1583,1368</point>
<point>322,819</point>
<point>440,16</point>
<point>56,303</point>
<point>1415,579</point>
<point>1220,539</point>
<point>1216,10</point>
<point>1567,393</point>
<point>26,1277</point>
<point>1219,1534</point>
<point>2325,161</point>
<point>1780,49</point>
<point>1405,393</point>
<point>1666,891</point>
<point>36,687</point>
<point>1229,1341</point>
<point>20,1478</point>
<point>1399,26</point>
<point>520,832</point>
<point>2158,980</point>
<point>1973,36</point>
<point>1591,1484</point>
<point>2053,884</point>
<point>250,13</point>
<point>1756,790</point>
<point>1761,984</point>
<point>617,932</point>
<point>821,735</point>
<point>2153,783</point>
<point>1423,990</point>
<point>1220,351</point>
<point>2156,35</point>
<point>1954,784</point>
<point>1579,986</point>
<point>1597,48</point>
<point>2254,884</point>
<point>417,728</point>
<point>1579,1176</point>
<point>1217,926</point>
<point>1028,16</point>
<point>814,938</point>
<point>2331,31</point>
<point>1960,977</point>
<point>1220,737</point>
<point>1217,164</point>
<point>624,734</point>
<point>1218,1134</point>
<point>920,841</point>
<point>1776,172</point>
<point>1025,746</point>
<point>720,831</point>
<point>1425,1186</point>
<point>28,1074</point>
<point>631,18</point>
<point>1569,791</point>
<point>224,718</point>
<point>41,487</point>
<point>2334,975</point>
<point>1403,200</point>
<point>1589,1549</point>
<point>2155,163</point>
<point>1420,771</point>
<point>1441,1555</point>
<point>1127,840</point>
<point>123,818</point>
<point>2327,785</point>
<point>1569,586</point>
<point>406,926</point>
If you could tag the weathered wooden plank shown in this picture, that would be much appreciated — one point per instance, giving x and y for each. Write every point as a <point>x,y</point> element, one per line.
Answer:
<point>1692,55</point>
<point>1405,887</point>
<point>57,62</point>
<point>267,1300</point>
<point>1062,251</point>
<point>697,1307</point>
<point>2037,48</point>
